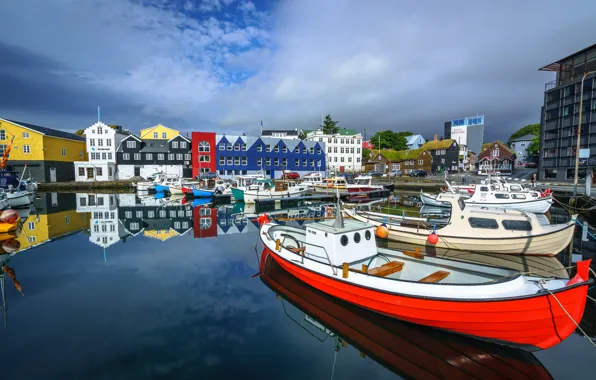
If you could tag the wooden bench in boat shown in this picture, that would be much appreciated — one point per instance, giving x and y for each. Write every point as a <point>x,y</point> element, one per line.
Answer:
<point>435,277</point>
<point>386,269</point>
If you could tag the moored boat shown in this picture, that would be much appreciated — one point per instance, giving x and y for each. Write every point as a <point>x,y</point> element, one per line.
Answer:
<point>267,189</point>
<point>495,304</point>
<point>242,183</point>
<point>332,185</point>
<point>477,229</point>
<point>363,184</point>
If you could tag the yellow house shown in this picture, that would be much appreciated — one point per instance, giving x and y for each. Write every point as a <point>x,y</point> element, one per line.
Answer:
<point>48,153</point>
<point>56,216</point>
<point>158,132</point>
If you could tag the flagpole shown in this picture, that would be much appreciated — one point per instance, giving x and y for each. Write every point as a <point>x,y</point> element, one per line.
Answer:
<point>98,114</point>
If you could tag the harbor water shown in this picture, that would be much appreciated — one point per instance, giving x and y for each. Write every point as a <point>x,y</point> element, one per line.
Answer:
<point>131,288</point>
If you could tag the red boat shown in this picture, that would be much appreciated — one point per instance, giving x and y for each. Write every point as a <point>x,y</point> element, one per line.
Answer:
<point>489,303</point>
<point>410,351</point>
<point>363,184</point>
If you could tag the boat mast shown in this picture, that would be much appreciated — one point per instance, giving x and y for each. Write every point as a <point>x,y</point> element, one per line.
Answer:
<point>339,219</point>
<point>4,304</point>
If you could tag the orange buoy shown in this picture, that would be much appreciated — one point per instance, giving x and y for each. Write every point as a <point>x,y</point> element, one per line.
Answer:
<point>433,238</point>
<point>9,216</point>
<point>382,231</point>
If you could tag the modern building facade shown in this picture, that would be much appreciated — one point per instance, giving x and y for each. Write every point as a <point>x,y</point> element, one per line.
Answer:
<point>468,131</point>
<point>49,154</point>
<point>445,154</point>
<point>145,157</point>
<point>344,149</point>
<point>101,143</point>
<point>232,155</point>
<point>519,146</point>
<point>560,118</point>
<point>495,157</point>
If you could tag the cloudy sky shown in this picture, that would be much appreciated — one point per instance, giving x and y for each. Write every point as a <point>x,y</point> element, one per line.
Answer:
<point>223,65</point>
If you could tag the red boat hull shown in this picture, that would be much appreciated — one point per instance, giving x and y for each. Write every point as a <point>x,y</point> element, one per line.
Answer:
<point>531,323</point>
<point>363,189</point>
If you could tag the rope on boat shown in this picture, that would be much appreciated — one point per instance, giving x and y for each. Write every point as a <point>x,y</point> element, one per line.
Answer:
<point>587,230</point>
<point>572,320</point>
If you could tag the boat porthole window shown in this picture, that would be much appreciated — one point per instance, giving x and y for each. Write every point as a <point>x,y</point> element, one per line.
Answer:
<point>356,238</point>
<point>367,235</point>
<point>344,240</point>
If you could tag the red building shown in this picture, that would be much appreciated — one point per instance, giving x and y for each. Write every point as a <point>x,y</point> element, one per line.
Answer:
<point>367,145</point>
<point>496,157</point>
<point>203,153</point>
<point>204,221</point>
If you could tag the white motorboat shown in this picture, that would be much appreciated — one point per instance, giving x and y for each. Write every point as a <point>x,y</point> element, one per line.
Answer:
<point>332,185</point>
<point>494,196</point>
<point>242,183</point>
<point>267,189</point>
<point>312,179</point>
<point>477,229</point>
<point>363,184</point>
<point>19,198</point>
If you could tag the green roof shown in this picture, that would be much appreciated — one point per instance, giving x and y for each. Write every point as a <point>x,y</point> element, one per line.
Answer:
<point>434,145</point>
<point>342,131</point>
<point>400,155</point>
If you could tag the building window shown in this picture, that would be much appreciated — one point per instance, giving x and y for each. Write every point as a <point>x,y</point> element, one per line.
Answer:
<point>182,144</point>
<point>81,173</point>
<point>2,134</point>
<point>297,162</point>
<point>25,135</point>
<point>160,156</point>
<point>99,172</point>
<point>341,150</point>
<point>351,150</point>
<point>222,146</point>
<point>305,162</point>
<point>205,158</point>
<point>237,147</point>
<point>222,160</point>
<point>328,149</point>
<point>131,144</point>
<point>31,225</point>
<point>335,149</point>
<point>244,161</point>
<point>319,151</point>
<point>187,157</point>
<point>312,163</point>
<point>342,159</point>
<point>137,156</point>
<point>297,150</point>
<point>357,150</point>
<point>110,174</point>
<point>128,214</point>
<point>149,156</point>
<point>277,162</point>
<point>550,174</point>
<point>26,149</point>
<point>32,239</point>
<point>67,219</point>
<point>349,159</point>
<point>204,146</point>
<point>277,148</point>
<point>260,162</point>
<point>174,144</point>
<point>103,155</point>
<point>179,157</point>
<point>259,148</point>
<point>99,142</point>
<point>284,162</point>
<point>244,147</point>
<point>229,146</point>
<point>91,142</point>
<point>268,148</point>
<point>357,159</point>
<point>229,160</point>
<point>171,156</point>
<point>268,162</point>
<point>495,153</point>
<point>155,135</point>
<point>108,142</point>
<point>126,156</point>
<point>164,135</point>
<point>236,160</point>
<point>285,149</point>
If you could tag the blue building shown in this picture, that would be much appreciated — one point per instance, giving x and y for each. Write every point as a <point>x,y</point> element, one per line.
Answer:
<point>240,155</point>
<point>415,141</point>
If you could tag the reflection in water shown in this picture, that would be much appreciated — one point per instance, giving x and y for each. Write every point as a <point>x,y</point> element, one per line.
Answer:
<point>408,350</point>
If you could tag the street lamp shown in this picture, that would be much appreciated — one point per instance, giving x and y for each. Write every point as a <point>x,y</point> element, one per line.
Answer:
<point>579,130</point>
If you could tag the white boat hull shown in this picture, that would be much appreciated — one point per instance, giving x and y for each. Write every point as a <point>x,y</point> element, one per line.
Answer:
<point>145,186</point>
<point>251,195</point>
<point>429,200</point>
<point>549,243</point>
<point>537,206</point>
<point>19,198</point>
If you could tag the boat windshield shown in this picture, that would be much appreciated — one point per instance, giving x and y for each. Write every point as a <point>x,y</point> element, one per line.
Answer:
<point>461,203</point>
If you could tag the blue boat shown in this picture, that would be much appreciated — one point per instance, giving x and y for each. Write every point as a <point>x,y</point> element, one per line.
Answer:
<point>161,188</point>
<point>200,201</point>
<point>202,193</point>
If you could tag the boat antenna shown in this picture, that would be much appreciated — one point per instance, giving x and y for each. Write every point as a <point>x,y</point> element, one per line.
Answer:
<point>339,219</point>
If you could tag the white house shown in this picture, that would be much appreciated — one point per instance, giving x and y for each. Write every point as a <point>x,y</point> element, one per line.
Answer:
<point>344,149</point>
<point>102,141</point>
<point>104,226</point>
<point>415,141</point>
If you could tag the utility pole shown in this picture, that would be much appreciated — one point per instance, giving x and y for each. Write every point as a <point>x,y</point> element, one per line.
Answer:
<point>579,131</point>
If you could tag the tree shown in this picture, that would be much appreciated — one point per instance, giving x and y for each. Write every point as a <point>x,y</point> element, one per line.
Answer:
<point>302,135</point>
<point>329,126</point>
<point>534,147</point>
<point>365,153</point>
<point>531,129</point>
<point>390,140</point>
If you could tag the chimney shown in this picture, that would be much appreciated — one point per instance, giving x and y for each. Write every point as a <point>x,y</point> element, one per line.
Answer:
<point>436,137</point>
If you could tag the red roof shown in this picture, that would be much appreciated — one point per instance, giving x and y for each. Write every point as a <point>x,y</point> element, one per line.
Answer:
<point>503,152</point>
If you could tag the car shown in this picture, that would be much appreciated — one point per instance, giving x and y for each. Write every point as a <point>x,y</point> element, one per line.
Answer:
<point>291,175</point>
<point>395,173</point>
<point>375,173</point>
<point>418,173</point>
<point>531,165</point>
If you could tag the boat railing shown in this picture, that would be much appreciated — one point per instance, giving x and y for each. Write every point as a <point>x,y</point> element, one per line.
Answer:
<point>304,244</point>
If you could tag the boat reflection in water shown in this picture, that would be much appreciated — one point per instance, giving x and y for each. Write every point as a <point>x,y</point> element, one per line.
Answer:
<point>409,350</point>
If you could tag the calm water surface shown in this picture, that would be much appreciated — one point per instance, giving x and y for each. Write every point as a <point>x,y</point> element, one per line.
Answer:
<point>120,290</point>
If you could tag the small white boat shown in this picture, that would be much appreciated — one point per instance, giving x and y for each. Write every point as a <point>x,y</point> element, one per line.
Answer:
<point>333,185</point>
<point>267,189</point>
<point>478,229</point>
<point>312,179</point>
<point>494,196</point>
<point>19,198</point>
<point>242,183</point>
<point>363,184</point>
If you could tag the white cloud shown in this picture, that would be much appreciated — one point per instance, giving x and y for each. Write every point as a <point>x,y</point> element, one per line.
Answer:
<point>397,65</point>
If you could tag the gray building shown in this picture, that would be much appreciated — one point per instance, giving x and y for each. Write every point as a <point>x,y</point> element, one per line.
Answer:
<point>519,146</point>
<point>560,117</point>
<point>467,131</point>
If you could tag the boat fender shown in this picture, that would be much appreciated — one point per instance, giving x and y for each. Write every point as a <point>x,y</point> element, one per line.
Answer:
<point>263,219</point>
<point>433,238</point>
<point>382,231</point>
<point>9,216</point>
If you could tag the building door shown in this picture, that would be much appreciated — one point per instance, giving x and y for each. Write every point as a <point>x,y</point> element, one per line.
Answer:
<point>52,174</point>
<point>187,173</point>
<point>89,173</point>
<point>137,171</point>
